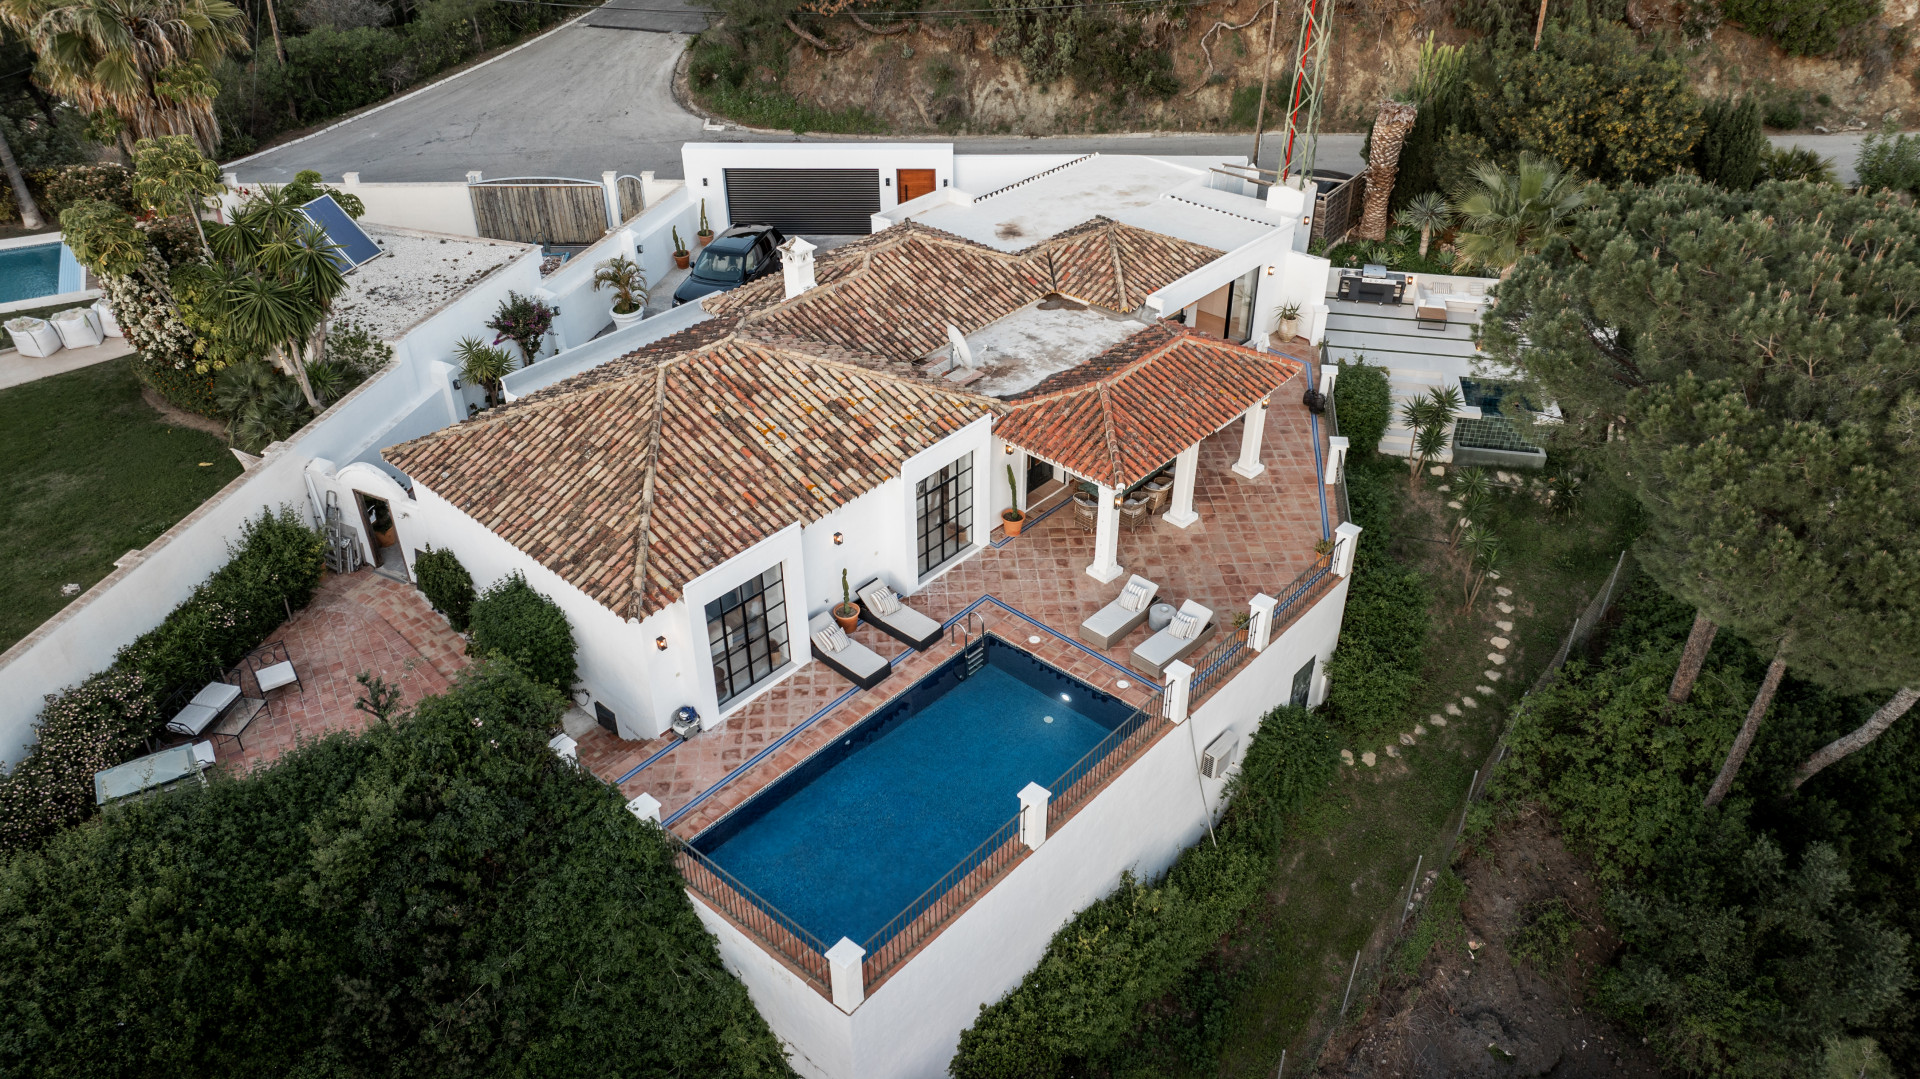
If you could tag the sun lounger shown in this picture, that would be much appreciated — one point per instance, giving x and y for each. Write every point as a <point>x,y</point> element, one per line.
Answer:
<point>847,657</point>
<point>1121,617</point>
<point>883,610</point>
<point>1188,630</point>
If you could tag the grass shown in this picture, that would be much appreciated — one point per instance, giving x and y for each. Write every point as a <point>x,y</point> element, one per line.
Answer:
<point>776,108</point>
<point>1347,866</point>
<point>92,472</point>
<point>6,339</point>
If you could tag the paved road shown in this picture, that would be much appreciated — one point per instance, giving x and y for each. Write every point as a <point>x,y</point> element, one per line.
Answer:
<point>585,99</point>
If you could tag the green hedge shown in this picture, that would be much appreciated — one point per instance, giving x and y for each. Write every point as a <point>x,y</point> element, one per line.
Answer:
<point>512,620</point>
<point>438,896</point>
<point>274,568</point>
<point>1364,403</point>
<point>446,584</point>
<point>1376,666</point>
<point>184,389</point>
<point>1076,1009</point>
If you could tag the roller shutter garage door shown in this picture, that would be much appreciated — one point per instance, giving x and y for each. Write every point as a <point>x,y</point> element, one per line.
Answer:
<point>832,202</point>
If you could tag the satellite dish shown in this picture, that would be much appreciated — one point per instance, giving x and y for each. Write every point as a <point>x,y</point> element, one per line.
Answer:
<point>353,248</point>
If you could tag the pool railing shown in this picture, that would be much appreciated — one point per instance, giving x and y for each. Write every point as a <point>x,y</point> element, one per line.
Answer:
<point>890,946</point>
<point>776,931</point>
<point>1104,761</point>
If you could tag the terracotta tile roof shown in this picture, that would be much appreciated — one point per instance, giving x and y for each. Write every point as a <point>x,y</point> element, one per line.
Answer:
<point>629,487</point>
<point>1117,266</point>
<point>1133,408</point>
<point>699,335</point>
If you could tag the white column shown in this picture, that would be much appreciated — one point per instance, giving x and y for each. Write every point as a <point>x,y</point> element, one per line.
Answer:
<point>1329,373</point>
<point>1336,458</point>
<point>1345,539</point>
<point>1260,626</point>
<point>610,196</point>
<point>565,748</point>
<point>1186,469</point>
<point>1252,426</point>
<point>1179,688</point>
<point>1106,537</point>
<point>1033,815</point>
<point>847,972</point>
<point>645,807</point>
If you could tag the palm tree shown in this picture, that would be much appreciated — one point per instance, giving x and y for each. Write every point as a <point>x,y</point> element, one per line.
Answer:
<point>1391,124</point>
<point>285,279</point>
<point>484,364</point>
<point>171,176</point>
<point>146,61</point>
<point>1427,212</point>
<point>22,198</point>
<point>1508,215</point>
<point>1427,417</point>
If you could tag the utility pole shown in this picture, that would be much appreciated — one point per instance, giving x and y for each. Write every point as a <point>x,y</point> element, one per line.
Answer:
<point>1266,72</point>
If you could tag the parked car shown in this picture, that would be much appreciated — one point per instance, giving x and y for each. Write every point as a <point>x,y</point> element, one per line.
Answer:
<point>735,257</point>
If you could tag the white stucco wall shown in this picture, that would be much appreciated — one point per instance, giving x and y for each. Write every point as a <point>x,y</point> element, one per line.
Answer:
<point>436,207</point>
<point>647,239</point>
<point>909,1027</point>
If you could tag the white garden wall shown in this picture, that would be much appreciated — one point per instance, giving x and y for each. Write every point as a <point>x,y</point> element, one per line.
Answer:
<point>909,1027</point>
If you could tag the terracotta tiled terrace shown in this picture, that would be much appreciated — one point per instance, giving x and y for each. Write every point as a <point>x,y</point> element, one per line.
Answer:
<point>1253,536</point>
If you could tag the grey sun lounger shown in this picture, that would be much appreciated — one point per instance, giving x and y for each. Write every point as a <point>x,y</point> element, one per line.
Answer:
<point>1114,621</point>
<point>1155,653</point>
<point>883,609</point>
<point>854,661</point>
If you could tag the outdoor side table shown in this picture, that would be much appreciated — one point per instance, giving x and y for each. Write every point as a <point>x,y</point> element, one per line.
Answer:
<point>1160,616</point>
<point>206,707</point>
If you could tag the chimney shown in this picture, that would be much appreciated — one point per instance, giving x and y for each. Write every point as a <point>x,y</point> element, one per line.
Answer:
<point>962,355</point>
<point>796,262</point>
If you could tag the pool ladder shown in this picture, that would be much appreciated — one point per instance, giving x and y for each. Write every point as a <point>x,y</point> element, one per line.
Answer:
<point>971,631</point>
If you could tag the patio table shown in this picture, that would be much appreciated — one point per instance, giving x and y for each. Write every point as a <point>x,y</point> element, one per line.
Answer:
<point>205,707</point>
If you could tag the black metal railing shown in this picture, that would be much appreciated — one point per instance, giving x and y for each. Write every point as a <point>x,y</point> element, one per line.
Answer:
<point>1105,760</point>
<point>776,931</point>
<point>894,942</point>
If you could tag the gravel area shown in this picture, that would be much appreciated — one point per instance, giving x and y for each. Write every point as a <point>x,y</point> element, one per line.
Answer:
<point>420,273</point>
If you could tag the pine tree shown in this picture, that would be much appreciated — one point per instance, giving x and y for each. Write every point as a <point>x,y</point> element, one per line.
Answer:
<point>1732,145</point>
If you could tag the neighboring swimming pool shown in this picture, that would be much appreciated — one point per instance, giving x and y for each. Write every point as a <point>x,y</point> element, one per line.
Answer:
<point>846,840</point>
<point>37,270</point>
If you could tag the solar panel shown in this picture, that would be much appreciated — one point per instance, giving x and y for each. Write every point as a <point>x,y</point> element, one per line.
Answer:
<point>355,247</point>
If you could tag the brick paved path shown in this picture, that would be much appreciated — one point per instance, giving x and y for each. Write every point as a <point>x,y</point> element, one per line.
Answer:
<point>357,622</point>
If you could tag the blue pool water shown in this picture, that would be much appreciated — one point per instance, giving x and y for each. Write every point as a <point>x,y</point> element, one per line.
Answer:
<point>845,841</point>
<point>39,270</point>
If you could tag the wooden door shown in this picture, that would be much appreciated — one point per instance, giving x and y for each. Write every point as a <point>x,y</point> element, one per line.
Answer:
<point>914,183</point>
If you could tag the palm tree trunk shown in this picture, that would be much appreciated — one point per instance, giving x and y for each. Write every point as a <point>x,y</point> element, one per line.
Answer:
<point>274,22</point>
<point>1692,658</point>
<point>1743,741</point>
<point>22,198</point>
<point>1390,127</point>
<point>1426,237</point>
<point>1838,749</point>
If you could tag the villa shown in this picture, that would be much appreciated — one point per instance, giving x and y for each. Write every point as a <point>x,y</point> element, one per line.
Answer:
<point>883,827</point>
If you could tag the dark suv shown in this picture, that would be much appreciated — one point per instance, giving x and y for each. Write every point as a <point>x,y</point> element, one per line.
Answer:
<point>735,257</point>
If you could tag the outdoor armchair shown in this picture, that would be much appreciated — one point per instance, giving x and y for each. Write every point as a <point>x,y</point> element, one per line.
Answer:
<point>883,609</point>
<point>1188,630</point>
<point>1113,622</point>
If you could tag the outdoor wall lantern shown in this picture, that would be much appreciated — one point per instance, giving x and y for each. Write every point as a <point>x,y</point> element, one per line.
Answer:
<point>839,538</point>
<point>1009,449</point>
<point>1116,499</point>
<point>1269,271</point>
<point>888,181</point>
<point>660,643</point>
<point>456,383</point>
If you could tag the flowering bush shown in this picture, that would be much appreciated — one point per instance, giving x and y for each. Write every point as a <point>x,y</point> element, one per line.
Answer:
<point>274,568</point>
<point>524,321</point>
<point>61,187</point>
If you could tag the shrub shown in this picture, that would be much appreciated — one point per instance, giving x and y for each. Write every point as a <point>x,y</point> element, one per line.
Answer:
<point>446,584</point>
<point>511,619</point>
<point>1890,160</point>
<point>1801,27</point>
<point>1131,948</point>
<point>1731,146</point>
<point>1376,666</point>
<point>1365,404</point>
<point>273,569</point>
<point>182,388</point>
<point>64,186</point>
<point>438,896</point>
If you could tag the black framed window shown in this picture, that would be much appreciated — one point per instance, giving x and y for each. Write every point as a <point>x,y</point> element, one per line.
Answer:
<point>747,634</point>
<point>946,512</point>
<point>1302,686</point>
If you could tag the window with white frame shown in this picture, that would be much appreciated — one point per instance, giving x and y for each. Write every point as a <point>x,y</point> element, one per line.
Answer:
<point>945,513</point>
<point>747,634</point>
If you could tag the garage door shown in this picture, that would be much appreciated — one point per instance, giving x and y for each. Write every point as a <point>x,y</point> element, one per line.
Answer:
<point>833,202</point>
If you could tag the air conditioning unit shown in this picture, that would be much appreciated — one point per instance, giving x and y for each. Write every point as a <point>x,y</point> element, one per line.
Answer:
<point>1218,755</point>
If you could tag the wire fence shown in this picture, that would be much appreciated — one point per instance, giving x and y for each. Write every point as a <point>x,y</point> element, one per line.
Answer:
<point>1373,960</point>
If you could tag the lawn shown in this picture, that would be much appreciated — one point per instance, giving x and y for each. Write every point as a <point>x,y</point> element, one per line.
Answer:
<point>93,472</point>
<point>1346,868</point>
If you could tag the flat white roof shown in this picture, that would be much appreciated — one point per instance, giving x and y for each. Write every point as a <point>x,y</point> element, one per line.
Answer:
<point>1146,192</point>
<point>1019,351</point>
<point>419,273</point>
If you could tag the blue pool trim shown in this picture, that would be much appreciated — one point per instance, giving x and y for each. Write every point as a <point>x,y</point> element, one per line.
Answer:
<point>1319,468</point>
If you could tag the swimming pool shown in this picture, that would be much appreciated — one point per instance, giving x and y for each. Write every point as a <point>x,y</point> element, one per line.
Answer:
<point>37,270</point>
<point>846,840</point>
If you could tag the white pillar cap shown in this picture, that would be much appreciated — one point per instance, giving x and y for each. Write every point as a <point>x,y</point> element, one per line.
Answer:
<point>1033,794</point>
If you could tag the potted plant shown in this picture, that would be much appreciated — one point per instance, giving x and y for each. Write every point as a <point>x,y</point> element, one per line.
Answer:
<point>1288,322</point>
<point>846,612</point>
<point>705,235</point>
<point>680,252</point>
<point>524,320</point>
<point>629,284</point>
<point>1011,517</point>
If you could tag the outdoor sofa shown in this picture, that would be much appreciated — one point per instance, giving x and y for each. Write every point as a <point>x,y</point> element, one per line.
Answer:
<point>883,609</point>
<point>1121,617</point>
<point>845,656</point>
<point>1189,630</point>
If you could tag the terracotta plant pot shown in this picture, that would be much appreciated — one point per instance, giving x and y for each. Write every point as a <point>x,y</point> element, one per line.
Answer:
<point>703,238</point>
<point>681,258</point>
<point>1012,521</point>
<point>847,620</point>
